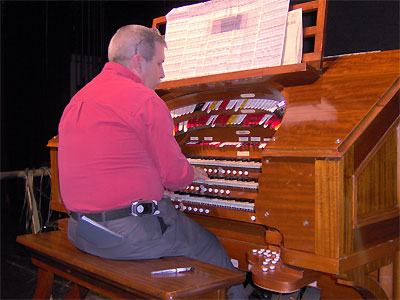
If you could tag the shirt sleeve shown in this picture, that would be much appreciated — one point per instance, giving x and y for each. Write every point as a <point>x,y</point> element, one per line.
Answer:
<point>157,135</point>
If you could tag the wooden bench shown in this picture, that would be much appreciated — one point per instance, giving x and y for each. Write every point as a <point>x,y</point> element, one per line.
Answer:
<point>53,254</point>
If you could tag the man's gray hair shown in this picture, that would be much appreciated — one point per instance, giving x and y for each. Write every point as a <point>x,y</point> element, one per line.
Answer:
<point>133,39</point>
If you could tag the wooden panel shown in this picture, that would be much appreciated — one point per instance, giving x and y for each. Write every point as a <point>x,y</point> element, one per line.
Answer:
<point>376,233</point>
<point>224,228</point>
<point>330,115</point>
<point>236,237</point>
<point>309,260</point>
<point>286,200</point>
<point>383,116</point>
<point>329,191</point>
<point>347,204</point>
<point>384,251</point>
<point>343,264</point>
<point>376,182</point>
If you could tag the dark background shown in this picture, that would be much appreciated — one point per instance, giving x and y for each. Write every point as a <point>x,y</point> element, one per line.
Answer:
<point>39,39</point>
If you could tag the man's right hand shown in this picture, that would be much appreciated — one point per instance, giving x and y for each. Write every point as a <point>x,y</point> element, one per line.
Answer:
<point>199,173</point>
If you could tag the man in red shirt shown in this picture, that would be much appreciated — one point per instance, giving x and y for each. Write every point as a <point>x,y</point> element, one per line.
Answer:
<point>117,156</point>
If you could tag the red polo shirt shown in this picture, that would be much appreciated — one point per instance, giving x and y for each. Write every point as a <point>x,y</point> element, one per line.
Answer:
<point>116,145</point>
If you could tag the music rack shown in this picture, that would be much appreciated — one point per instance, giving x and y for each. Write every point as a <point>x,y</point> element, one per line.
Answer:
<point>305,72</point>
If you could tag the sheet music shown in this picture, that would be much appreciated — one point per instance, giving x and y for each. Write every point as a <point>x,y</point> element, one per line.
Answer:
<point>293,48</point>
<point>175,36</point>
<point>223,36</point>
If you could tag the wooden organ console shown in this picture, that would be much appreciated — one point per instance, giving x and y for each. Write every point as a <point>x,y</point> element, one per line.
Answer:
<point>303,162</point>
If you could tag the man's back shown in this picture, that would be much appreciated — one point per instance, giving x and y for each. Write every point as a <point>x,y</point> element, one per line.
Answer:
<point>116,145</point>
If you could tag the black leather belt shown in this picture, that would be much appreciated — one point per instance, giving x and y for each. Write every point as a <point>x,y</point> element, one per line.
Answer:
<point>136,208</point>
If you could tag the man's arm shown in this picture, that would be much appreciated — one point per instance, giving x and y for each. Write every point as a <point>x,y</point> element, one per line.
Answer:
<point>157,136</point>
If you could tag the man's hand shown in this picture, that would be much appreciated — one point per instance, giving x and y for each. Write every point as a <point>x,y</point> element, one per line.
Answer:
<point>199,173</point>
<point>168,193</point>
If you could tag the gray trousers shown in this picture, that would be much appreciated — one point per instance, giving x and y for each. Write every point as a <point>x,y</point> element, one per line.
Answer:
<point>143,239</point>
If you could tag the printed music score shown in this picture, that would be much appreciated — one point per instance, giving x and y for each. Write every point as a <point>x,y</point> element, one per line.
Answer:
<point>221,36</point>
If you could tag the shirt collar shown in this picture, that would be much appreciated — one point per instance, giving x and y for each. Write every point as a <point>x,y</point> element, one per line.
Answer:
<point>123,71</point>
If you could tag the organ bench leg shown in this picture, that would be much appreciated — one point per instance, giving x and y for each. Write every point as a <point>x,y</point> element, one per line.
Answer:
<point>44,284</point>
<point>77,292</point>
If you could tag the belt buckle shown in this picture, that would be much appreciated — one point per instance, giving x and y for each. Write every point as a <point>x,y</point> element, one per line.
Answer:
<point>144,207</point>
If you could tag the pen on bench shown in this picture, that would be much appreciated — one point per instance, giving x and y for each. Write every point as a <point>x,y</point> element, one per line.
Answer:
<point>176,270</point>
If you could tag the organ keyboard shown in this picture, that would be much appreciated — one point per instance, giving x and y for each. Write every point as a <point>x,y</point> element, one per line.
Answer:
<point>233,186</point>
<point>228,183</point>
<point>241,163</point>
<point>302,159</point>
<point>186,199</point>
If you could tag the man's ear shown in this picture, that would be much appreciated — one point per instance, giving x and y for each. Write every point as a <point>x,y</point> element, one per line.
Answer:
<point>137,61</point>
